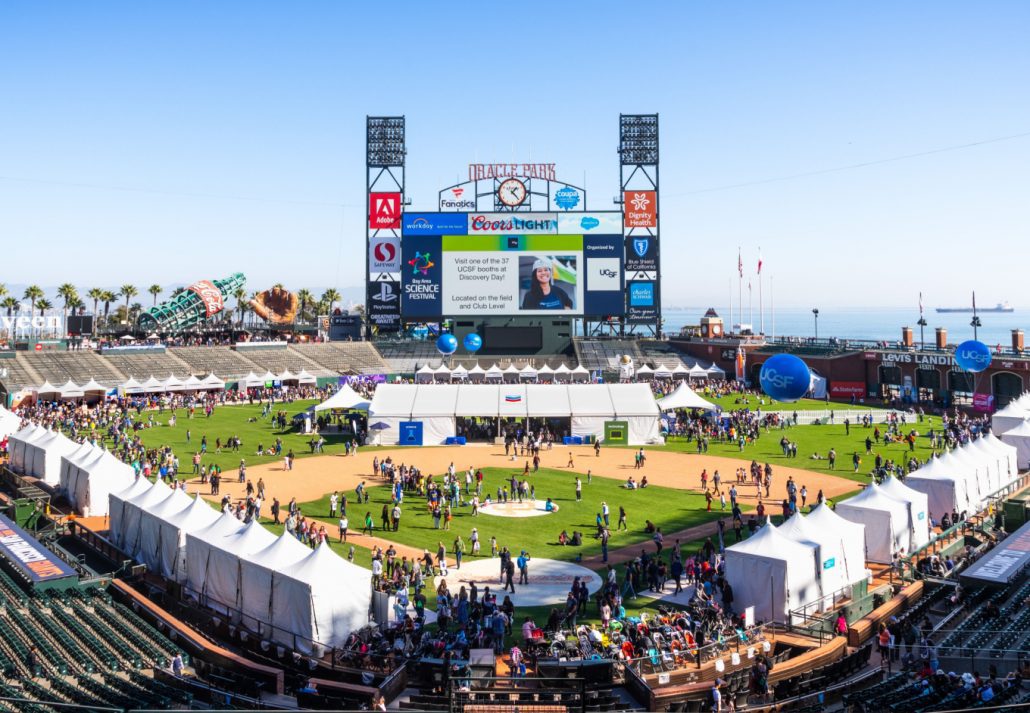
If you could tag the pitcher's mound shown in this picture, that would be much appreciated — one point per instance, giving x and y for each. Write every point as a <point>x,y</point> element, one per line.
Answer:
<point>513,508</point>
<point>549,580</point>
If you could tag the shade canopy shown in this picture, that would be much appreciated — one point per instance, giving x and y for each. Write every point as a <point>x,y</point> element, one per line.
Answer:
<point>773,573</point>
<point>345,398</point>
<point>886,521</point>
<point>684,397</point>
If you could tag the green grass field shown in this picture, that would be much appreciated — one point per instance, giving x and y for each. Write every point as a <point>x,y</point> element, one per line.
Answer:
<point>736,402</point>
<point>672,510</point>
<point>227,421</point>
<point>819,440</point>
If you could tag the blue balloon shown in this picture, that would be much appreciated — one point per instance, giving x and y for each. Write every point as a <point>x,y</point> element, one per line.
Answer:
<point>473,342</point>
<point>447,344</point>
<point>784,377</point>
<point>973,356</point>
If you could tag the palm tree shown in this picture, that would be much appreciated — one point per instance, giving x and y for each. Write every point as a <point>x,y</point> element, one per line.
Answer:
<point>330,297</point>
<point>240,294</point>
<point>68,292</point>
<point>155,290</point>
<point>3,290</point>
<point>128,292</point>
<point>108,297</point>
<point>44,305</point>
<point>10,304</point>
<point>305,298</point>
<point>33,293</point>
<point>97,295</point>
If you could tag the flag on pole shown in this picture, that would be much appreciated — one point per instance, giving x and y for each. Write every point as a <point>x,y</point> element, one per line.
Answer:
<point>759,261</point>
<point>740,264</point>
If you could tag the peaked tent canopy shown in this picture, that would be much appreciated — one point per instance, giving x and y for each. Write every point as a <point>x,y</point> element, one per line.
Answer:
<point>9,423</point>
<point>258,571</point>
<point>305,378</point>
<point>345,398</point>
<point>945,488</point>
<point>1019,438</point>
<point>194,518</point>
<point>827,524</point>
<point>92,387</point>
<point>886,523</point>
<point>70,390</point>
<point>918,510</point>
<point>684,397</point>
<point>212,382</point>
<point>773,572</point>
<point>131,386</point>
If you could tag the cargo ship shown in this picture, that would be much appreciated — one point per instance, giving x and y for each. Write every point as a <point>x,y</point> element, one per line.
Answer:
<point>1000,307</point>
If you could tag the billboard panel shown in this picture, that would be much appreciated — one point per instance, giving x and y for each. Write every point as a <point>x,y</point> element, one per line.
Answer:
<point>421,276</point>
<point>384,254</point>
<point>384,305</point>
<point>640,208</point>
<point>434,224</point>
<point>384,210</point>
<point>607,223</point>
<point>459,198</point>
<point>641,253</point>
<point>641,301</point>
<point>513,224</point>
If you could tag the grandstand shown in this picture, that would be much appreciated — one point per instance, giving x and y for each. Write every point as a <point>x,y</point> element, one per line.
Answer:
<point>143,365</point>
<point>603,354</point>
<point>345,357</point>
<point>78,366</point>
<point>225,363</point>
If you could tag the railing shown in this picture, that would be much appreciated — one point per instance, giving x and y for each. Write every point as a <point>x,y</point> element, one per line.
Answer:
<point>815,618</point>
<point>837,416</point>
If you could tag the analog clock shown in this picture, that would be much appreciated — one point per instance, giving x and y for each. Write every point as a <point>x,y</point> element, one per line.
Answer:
<point>716,329</point>
<point>512,192</point>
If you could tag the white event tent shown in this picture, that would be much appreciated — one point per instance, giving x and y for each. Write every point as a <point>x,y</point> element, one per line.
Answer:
<point>37,451</point>
<point>9,423</point>
<point>148,544</point>
<point>17,442</point>
<point>257,572</point>
<point>829,538</point>
<point>684,397</point>
<point>132,515</point>
<point>946,488</point>
<point>1011,416</point>
<point>117,504</point>
<point>1019,438</point>
<point>587,406</point>
<point>831,527</point>
<point>773,573</point>
<point>222,557</point>
<point>886,523</point>
<point>918,510</point>
<point>345,398</point>
<point>89,479</point>
<point>199,545</point>
<point>307,606</point>
<point>163,546</point>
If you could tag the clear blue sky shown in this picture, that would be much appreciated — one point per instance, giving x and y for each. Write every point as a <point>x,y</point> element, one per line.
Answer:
<point>187,105</point>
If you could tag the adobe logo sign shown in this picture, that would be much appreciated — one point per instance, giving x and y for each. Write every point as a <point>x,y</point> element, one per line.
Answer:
<point>384,254</point>
<point>384,210</point>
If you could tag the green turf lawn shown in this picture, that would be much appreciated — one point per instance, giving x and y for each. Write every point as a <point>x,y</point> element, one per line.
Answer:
<point>818,440</point>
<point>227,421</point>
<point>736,402</point>
<point>672,510</point>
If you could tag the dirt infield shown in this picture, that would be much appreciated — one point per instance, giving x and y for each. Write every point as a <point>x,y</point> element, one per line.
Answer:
<point>313,477</point>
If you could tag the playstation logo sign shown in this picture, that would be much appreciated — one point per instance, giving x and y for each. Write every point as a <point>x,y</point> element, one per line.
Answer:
<point>386,293</point>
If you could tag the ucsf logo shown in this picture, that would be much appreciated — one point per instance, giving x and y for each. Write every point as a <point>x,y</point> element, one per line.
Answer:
<point>776,379</point>
<point>976,356</point>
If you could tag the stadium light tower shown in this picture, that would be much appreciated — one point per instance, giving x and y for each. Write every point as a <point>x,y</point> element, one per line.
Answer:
<point>815,315</point>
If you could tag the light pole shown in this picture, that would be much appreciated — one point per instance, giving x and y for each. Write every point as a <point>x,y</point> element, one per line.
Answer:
<point>815,315</point>
<point>922,326</point>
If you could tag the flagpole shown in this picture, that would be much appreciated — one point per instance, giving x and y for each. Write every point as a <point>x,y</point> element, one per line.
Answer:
<point>761,309</point>
<point>772,308</point>
<point>740,290</point>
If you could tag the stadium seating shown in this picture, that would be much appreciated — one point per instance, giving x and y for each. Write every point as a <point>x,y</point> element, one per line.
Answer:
<point>655,352</point>
<point>225,363</point>
<point>78,366</point>
<point>344,357</point>
<point>143,365</point>
<point>603,354</point>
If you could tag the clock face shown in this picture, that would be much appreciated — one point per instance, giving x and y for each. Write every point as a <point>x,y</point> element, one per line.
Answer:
<point>716,329</point>
<point>512,192</point>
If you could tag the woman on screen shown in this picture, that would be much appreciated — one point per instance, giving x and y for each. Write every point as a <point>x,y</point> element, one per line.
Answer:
<point>543,293</point>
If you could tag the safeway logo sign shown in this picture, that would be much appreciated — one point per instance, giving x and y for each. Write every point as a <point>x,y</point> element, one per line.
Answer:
<point>384,210</point>
<point>641,209</point>
<point>384,254</point>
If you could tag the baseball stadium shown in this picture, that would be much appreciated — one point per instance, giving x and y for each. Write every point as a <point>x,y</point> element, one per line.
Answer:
<point>499,485</point>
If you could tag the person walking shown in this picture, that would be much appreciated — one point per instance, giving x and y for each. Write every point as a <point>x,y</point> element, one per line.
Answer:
<point>395,515</point>
<point>509,575</point>
<point>579,489</point>
<point>369,524</point>
<point>523,562</point>
<point>334,500</point>
<point>622,519</point>
<point>343,528</point>
<point>459,551</point>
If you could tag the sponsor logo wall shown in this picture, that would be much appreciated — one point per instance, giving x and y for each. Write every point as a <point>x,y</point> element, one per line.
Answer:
<point>421,276</point>
<point>513,224</point>
<point>384,303</point>
<point>589,223</point>
<point>434,224</point>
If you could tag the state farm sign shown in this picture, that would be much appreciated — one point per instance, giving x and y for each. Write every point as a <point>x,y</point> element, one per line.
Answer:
<point>847,389</point>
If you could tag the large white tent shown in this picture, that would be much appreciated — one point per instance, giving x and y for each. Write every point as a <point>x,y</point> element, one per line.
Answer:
<point>148,545</point>
<point>37,452</point>
<point>307,605</point>
<point>1009,457</point>
<point>828,536</point>
<point>832,527</point>
<point>773,573</point>
<point>9,423</point>
<point>886,523</point>
<point>1019,438</point>
<point>345,398</point>
<point>257,572</point>
<point>684,397</point>
<point>132,515</point>
<point>978,482</point>
<point>588,406</point>
<point>89,480</point>
<point>17,442</point>
<point>117,506</point>
<point>946,488</point>
<point>918,510</point>
<point>1011,416</point>
<point>198,550</point>
<point>164,542</point>
<point>222,557</point>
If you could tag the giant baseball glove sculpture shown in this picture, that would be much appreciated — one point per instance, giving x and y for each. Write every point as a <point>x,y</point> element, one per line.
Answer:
<point>275,306</point>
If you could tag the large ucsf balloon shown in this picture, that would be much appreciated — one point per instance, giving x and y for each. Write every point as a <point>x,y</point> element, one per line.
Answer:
<point>973,356</point>
<point>784,377</point>
<point>473,342</point>
<point>447,344</point>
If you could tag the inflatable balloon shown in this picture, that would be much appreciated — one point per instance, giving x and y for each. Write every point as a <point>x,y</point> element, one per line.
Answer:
<point>447,344</point>
<point>973,356</point>
<point>784,377</point>
<point>473,342</point>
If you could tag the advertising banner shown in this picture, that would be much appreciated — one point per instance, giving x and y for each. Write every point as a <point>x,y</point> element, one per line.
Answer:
<point>589,223</point>
<point>640,208</point>
<point>513,224</point>
<point>384,254</point>
<point>984,403</point>
<point>421,275</point>
<point>384,211</point>
<point>384,305</point>
<point>210,295</point>
<point>410,433</point>
<point>34,561</point>
<point>459,198</point>
<point>642,301</point>
<point>641,253</point>
<point>567,198</point>
<point>603,271</point>
<point>847,389</point>
<point>434,224</point>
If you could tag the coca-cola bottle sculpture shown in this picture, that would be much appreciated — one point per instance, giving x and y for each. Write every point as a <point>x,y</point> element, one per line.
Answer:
<point>196,304</point>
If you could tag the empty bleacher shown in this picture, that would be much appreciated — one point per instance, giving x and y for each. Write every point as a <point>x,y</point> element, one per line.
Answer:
<point>345,357</point>
<point>78,366</point>
<point>656,352</point>
<point>604,354</point>
<point>20,374</point>
<point>279,360</point>
<point>222,361</point>
<point>143,365</point>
